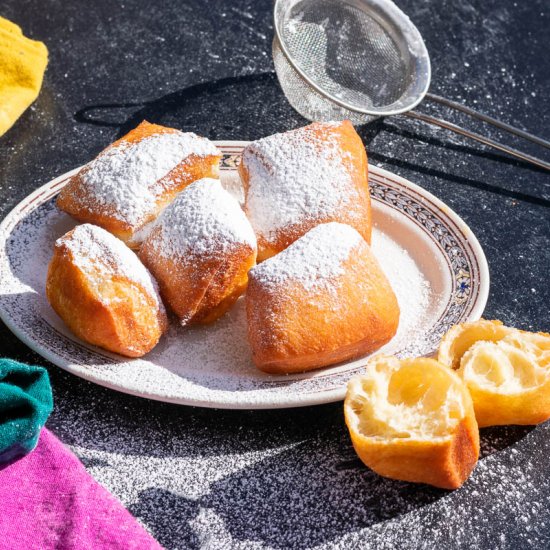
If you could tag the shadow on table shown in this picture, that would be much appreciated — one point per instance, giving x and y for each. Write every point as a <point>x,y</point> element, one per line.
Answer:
<point>253,106</point>
<point>227,108</point>
<point>314,492</point>
<point>455,178</point>
<point>441,141</point>
<point>168,517</point>
<point>237,107</point>
<point>301,497</point>
<point>309,489</point>
<point>498,438</point>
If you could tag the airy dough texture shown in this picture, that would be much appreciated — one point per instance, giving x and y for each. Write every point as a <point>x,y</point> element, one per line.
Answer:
<point>458,340</point>
<point>507,371</point>
<point>413,420</point>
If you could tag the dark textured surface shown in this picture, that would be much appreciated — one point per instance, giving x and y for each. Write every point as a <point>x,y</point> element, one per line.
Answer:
<point>206,67</point>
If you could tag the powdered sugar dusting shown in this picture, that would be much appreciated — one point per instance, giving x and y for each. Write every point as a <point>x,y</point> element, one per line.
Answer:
<point>124,178</point>
<point>203,220</point>
<point>412,289</point>
<point>260,479</point>
<point>314,260</point>
<point>212,365</point>
<point>291,479</point>
<point>97,253</point>
<point>295,177</point>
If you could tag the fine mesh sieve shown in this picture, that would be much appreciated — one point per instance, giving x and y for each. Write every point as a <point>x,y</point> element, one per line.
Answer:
<point>360,60</point>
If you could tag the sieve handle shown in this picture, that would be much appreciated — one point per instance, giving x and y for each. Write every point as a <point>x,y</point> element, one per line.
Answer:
<point>488,119</point>
<point>478,137</point>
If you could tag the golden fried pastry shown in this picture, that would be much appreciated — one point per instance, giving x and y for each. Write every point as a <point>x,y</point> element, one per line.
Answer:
<point>460,338</point>
<point>322,300</point>
<point>129,183</point>
<point>506,370</point>
<point>200,251</point>
<point>105,295</point>
<point>413,420</point>
<point>299,179</point>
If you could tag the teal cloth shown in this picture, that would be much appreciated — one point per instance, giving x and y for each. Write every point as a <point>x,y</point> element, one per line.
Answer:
<point>25,403</point>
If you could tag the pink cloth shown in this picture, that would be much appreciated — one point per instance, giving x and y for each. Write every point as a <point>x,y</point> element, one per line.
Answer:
<point>49,501</point>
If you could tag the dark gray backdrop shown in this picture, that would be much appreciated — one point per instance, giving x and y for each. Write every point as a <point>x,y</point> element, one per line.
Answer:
<point>202,478</point>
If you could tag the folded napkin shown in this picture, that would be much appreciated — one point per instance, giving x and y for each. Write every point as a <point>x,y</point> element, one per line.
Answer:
<point>22,66</point>
<point>25,404</point>
<point>49,501</point>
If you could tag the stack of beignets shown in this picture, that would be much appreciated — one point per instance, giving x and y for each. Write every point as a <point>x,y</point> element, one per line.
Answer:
<point>299,179</point>
<point>127,185</point>
<point>98,286</point>
<point>200,251</point>
<point>323,300</point>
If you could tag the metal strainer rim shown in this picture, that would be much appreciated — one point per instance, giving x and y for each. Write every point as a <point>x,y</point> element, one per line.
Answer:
<point>393,11</point>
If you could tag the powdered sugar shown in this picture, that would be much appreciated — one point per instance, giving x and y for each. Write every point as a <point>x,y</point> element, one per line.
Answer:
<point>212,365</point>
<point>203,220</point>
<point>412,290</point>
<point>267,479</point>
<point>124,178</point>
<point>291,479</point>
<point>295,177</point>
<point>99,253</point>
<point>314,260</point>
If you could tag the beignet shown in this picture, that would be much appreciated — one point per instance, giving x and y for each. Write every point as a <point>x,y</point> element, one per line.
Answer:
<point>506,370</point>
<point>296,180</point>
<point>200,251</point>
<point>103,293</point>
<point>323,300</point>
<point>131,181</point>
<point>413,420</point>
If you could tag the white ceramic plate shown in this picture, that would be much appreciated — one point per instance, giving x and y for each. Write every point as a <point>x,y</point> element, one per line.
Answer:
<point>432,258</point>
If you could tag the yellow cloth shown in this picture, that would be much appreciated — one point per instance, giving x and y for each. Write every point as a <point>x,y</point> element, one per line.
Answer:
<point>22,66</point>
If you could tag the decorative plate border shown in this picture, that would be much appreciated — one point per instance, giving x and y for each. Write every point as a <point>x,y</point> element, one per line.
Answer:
<point>465,259</point>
